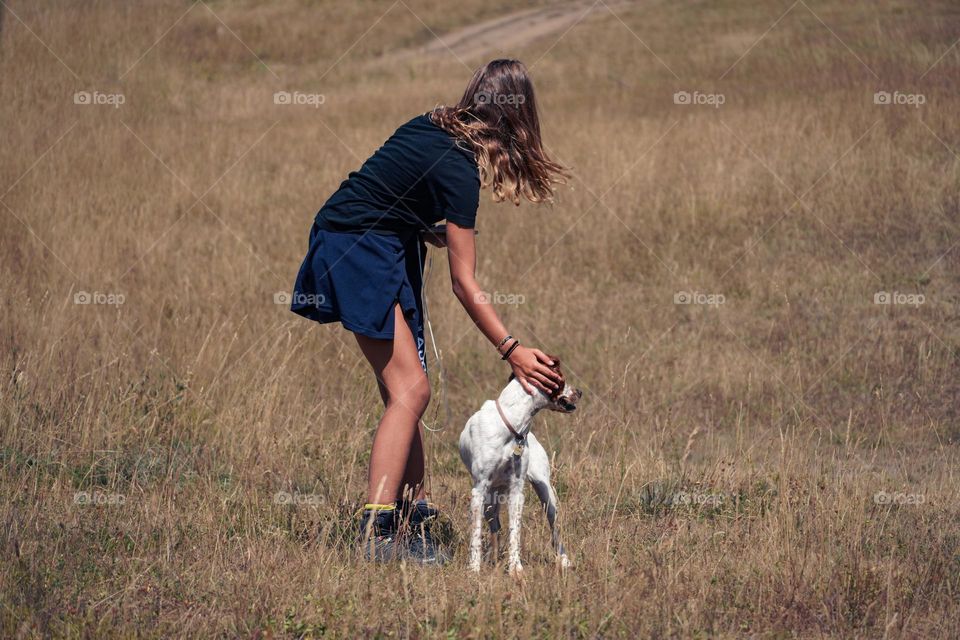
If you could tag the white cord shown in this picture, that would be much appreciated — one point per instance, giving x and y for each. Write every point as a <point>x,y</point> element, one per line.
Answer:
<point>433,341</point>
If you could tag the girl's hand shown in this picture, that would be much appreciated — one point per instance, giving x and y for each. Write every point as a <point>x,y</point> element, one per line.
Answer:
<point>532,368</point>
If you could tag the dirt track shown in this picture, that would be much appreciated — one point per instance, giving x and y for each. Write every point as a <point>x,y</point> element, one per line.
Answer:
<point>506,33</point>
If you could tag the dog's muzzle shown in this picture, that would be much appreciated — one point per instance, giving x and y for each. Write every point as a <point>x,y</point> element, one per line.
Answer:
<point>567,402</point>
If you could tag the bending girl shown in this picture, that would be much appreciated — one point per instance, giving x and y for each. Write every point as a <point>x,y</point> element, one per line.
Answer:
<point>364,265</point>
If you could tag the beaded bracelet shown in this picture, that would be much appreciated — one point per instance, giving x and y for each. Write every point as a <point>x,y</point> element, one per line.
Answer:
<point>516,343</point>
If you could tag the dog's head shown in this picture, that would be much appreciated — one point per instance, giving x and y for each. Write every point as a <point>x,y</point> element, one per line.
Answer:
<point>563,399</point>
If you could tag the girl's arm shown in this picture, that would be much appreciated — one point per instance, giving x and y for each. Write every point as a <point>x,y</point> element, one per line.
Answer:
<point>531,366</point>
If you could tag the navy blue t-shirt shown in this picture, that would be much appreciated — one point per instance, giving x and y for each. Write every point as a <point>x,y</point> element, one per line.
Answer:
<point>419,177</point>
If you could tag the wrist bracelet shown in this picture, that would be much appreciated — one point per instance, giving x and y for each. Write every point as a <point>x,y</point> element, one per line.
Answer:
<point>504,341</point>
<point>516,343</point>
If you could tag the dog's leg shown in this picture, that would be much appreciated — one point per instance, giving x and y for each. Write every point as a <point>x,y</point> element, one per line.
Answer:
<point>491,511</point>
<point>548,499</point>
<point>476,532</point>
<point>538,472</point>
<point>515,513</point>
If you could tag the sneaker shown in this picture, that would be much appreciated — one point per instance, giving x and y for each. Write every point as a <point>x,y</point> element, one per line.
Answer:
<point>379,541</point>
<point>420,545</point>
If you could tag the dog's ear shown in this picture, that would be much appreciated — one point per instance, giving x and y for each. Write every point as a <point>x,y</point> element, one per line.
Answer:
<point>556,364</point>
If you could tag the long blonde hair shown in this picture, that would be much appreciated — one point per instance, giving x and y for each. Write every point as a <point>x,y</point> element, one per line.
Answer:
<point>497,119</point>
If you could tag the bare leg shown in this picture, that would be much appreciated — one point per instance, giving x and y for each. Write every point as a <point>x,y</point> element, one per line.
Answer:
<point>412,486</point>
<point>413,473</point>
<point>407,390</point>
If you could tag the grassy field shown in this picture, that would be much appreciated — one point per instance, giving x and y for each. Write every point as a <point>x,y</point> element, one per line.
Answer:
<point>754,276</point>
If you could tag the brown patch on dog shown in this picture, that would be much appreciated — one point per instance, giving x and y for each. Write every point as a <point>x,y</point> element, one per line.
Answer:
<point>556,369</point>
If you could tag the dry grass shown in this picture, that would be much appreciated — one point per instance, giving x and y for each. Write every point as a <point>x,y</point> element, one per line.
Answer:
<point>782,412</point>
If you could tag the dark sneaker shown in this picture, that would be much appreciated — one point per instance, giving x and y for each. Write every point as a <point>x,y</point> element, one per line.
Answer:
<point>379,539</point>
<point>420,544</point>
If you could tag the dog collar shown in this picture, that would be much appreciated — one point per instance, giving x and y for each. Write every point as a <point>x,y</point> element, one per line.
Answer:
<point>521,440</point>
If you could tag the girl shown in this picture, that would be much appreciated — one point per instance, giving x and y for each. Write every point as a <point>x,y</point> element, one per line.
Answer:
<point>365,261</point>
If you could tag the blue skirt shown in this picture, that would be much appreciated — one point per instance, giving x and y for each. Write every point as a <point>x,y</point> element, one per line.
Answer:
<point>356,278</point>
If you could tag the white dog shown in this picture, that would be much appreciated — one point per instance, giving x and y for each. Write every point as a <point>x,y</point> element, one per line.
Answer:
<point>497,447</point>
